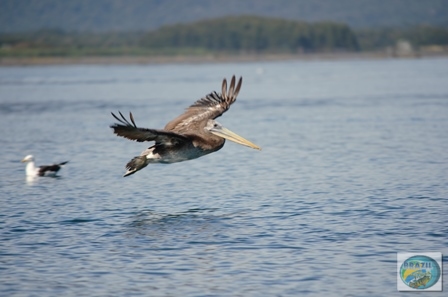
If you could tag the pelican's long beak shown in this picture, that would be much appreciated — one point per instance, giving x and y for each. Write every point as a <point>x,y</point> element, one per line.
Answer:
<point>229,135</point>
<point>23,160</point>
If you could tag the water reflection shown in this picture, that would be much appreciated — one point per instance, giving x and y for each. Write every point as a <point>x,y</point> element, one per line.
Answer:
<point>31,180</point>
<point>193,225</point>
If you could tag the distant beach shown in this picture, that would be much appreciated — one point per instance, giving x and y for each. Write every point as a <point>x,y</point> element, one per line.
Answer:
<point>104,60</point>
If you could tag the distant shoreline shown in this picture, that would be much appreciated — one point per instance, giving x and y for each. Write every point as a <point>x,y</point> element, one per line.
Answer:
<point>143,60</point>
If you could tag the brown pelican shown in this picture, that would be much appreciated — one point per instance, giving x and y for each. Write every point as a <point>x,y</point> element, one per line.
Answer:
<point>191,135</point>
<point>44,170</point>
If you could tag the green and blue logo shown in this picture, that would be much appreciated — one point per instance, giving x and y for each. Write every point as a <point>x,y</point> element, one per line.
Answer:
<point>420,272</point>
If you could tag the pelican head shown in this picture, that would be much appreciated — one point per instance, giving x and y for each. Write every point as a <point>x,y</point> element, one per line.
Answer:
<point>217,129</point>
<point>28,158</point>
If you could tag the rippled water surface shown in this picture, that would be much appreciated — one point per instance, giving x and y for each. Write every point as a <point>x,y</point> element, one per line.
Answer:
<point>353,170</point>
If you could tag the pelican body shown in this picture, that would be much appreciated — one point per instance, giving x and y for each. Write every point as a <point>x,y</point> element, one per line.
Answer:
<point>44,170</point>
<point>193,134</point>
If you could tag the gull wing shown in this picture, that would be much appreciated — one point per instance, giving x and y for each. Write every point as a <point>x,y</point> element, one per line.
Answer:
<point>50,168</point>
<point>211,106</point>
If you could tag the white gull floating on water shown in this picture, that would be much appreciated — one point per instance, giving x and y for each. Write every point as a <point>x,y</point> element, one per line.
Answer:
<point>44,170</point>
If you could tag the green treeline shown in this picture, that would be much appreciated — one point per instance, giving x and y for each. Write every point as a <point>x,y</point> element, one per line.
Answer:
<point>372,39</point>
<point>59,43</point>
<point>254,34</point>
<point>232,35</point>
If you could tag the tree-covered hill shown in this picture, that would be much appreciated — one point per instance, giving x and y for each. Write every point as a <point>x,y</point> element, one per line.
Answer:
<point>254,34</point>
<point>228,35</point>
<point>142,15</point>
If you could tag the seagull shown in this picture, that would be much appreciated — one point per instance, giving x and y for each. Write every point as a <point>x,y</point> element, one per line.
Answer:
<point>44,170</point>
<point>193,134</point>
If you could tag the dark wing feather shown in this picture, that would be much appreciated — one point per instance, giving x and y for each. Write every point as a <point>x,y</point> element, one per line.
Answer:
<point>211,106</point>
<point>50,168</point>
<point>130,131</point>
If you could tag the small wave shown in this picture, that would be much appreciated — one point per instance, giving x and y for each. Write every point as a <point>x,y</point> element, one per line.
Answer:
<point>77,221</point>
<point>49,106</point>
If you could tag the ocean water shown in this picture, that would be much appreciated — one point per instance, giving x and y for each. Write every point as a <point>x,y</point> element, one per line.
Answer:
<point>353,170</point>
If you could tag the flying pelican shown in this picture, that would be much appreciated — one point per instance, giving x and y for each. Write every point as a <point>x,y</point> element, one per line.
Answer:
<point>193,134</point>
<point>44,170</point>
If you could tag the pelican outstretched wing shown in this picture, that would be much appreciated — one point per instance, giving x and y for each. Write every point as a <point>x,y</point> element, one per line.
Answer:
<point>130,131</point>
<point>211,106</point>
